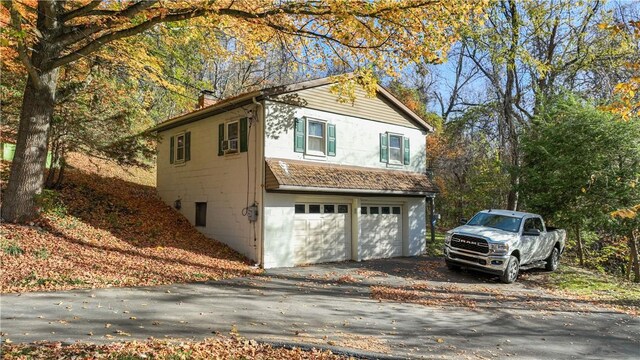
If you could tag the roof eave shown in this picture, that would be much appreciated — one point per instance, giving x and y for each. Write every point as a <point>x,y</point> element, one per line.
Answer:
<point>298,188</point>
<point>208,111</point>
<point>230,104</point>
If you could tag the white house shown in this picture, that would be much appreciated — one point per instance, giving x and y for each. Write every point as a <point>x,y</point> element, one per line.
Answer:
<point>290,176</point>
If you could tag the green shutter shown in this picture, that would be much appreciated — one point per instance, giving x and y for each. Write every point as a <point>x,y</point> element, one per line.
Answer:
<point>331,140</point>
<point>244,141</point>
<point>172,149</point>
<point>220,139</point>
<point>407,153</point>
<point>299,133</point>
<point>384,149</point>
<point>187,146</point>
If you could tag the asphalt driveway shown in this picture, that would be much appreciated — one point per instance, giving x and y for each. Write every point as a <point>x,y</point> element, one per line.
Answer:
<point>331,306</point>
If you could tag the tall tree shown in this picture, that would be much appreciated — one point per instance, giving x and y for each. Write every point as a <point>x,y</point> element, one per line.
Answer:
<point>526,51</point>
<point>580,165</point>
<point>52,34</point>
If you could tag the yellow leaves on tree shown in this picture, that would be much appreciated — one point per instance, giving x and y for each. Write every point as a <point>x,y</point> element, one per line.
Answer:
<point>626,103</point>
<point>628,213</point>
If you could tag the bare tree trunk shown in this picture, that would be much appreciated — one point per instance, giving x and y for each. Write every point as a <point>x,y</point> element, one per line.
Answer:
<point>55,158</point>
<point>63,165</point>
<point>579,242</point>
<point>633,247</point>
<point>27,170</point>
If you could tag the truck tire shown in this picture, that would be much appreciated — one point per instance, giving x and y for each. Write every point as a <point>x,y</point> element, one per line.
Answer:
<point>553,260</point>
<point>510,273</point>
<point>452,266</point>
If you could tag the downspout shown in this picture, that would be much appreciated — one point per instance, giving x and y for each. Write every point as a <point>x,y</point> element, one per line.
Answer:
<point>260,141</point>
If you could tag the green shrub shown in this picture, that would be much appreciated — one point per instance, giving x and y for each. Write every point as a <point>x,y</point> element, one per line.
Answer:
<point>41,253</point>
<point>50,203</point>
<point>12,249</point>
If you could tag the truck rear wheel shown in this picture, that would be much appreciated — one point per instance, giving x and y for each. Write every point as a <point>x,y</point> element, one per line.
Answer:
<point>510,274</point>
<point>553,260</point>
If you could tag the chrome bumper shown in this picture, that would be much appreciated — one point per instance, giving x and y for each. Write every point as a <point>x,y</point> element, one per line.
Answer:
<point>491,262</point>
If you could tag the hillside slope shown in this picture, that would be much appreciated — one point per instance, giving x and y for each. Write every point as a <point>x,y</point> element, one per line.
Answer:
<point>100,231</point>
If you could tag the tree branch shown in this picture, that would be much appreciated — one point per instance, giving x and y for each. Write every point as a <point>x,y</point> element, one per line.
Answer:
<point>76,33</point>
<point>81,11</point>
<point>16,23</point>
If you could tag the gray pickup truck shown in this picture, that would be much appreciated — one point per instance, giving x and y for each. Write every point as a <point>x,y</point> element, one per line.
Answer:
<point>503,242</point>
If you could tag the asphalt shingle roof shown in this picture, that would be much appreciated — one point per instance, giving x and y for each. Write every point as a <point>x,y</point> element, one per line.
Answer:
<point>284,174</point>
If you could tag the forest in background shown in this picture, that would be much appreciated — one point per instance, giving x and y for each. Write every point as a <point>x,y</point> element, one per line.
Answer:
<point>536,108</point>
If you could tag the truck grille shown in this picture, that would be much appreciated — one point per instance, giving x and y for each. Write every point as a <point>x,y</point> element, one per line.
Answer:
<point>470,243</point>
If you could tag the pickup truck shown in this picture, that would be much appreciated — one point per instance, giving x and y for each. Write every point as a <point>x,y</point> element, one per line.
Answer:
<point>503,242</point>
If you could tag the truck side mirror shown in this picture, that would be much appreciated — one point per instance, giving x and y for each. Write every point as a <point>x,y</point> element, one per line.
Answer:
<point>531,232</point>
<point>463,221</point>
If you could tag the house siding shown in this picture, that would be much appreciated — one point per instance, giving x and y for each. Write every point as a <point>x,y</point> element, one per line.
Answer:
<point>374,108</point>
<point>357,139</point>
<point>221,181</point>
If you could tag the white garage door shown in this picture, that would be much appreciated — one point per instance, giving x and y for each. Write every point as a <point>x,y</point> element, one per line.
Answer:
<point>322,233</point>
<point>380,231</point>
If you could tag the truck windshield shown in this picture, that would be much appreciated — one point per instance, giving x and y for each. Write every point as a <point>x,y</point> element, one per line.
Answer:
<point>502,222</point>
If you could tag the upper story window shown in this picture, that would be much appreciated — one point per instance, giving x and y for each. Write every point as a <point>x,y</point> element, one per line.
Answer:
<point>230,144</point>
<point>233,137</point>
<point>180,148</point>
<point>314,137</point>
<point>394,149</point>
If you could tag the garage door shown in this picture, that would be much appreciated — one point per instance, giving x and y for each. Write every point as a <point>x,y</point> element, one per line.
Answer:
<point>322,233</point>
<point>380,231</point>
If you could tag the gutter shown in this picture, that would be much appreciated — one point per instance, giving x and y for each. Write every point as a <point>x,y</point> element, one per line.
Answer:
<point>297,188</point>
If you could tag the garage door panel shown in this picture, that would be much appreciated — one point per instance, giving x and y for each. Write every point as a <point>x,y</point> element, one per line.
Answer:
<point>380,232</point>
<point>322,237</point>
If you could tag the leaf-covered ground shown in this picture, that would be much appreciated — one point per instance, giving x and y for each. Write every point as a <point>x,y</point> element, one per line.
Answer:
<point>429,283</point>
<point>100,231</point>
<point>213,348</point>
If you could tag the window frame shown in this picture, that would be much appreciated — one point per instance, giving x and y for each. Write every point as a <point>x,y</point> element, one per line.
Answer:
<point>227,125</point>
<point>199,206</point>
<point>307,135</point>
<point>184,148</point>
<point>401,149</point>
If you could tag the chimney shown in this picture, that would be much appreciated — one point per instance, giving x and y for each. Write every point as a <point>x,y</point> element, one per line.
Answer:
<point>205,99</point>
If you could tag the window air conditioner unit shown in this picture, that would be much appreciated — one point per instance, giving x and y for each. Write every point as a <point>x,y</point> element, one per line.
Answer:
<point>230,146</point>
<point>233,145</point>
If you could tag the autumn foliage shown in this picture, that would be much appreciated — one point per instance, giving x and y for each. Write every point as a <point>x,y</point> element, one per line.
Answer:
<point>101,231</point>
<point>213,348</point>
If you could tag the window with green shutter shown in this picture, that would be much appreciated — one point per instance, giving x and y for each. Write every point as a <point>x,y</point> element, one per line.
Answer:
<point>172,149</point>
<point>331,139</point>
<point>384,148</point>
<point>394,149</point>
<point>187,146</point>
<point>314,137</point>
<point>299,135</point>
<point>407,154</point>
<point>220,139</point>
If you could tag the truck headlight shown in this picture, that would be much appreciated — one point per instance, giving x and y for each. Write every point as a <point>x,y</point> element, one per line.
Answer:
<point>447,239</point>
<point>499,248</point>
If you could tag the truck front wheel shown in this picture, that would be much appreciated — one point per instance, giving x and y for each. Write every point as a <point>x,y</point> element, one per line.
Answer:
<point>452,266</point>
<point>510,274</point>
